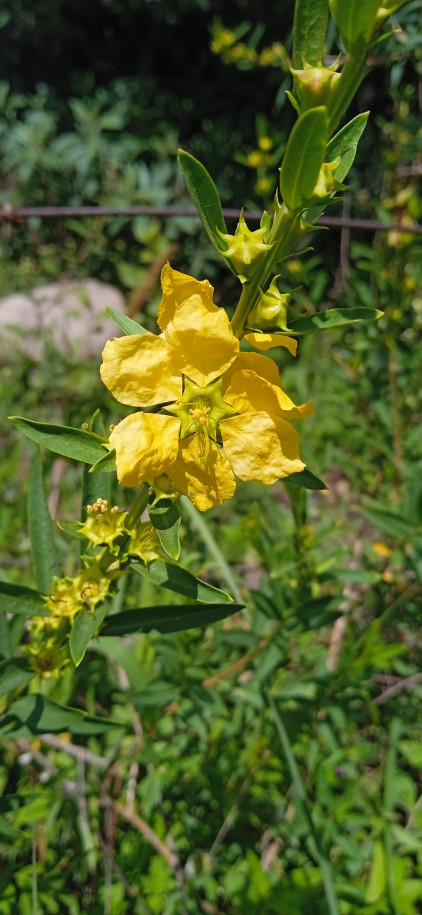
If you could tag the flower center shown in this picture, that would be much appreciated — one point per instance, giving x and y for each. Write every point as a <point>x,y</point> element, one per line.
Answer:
<point>200,410</point>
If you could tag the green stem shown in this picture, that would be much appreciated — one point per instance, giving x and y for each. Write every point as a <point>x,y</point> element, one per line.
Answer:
<point>283,237</point>
<point>204,532</point>
<point>302,799</point>
<point>351,77</point>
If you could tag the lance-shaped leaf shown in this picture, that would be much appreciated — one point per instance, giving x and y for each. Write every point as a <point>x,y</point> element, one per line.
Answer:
<point>106,463</point>
<point>40,529</point>
<point>71,443</point>
<point>355,21</point>
<point>205,197</point>
<point>20,599</point>
<point>306,479</point>
<point>303,158</point>
<point>127,325</point>
<point>328,320</point>
<point>35,714</point>
<point>14,673</point>
<point>167,618</point>
<point>174,578</point>
<point>309,32</point>
<point>85,625</point>
<point>165,517</point>
<point>345,143</point>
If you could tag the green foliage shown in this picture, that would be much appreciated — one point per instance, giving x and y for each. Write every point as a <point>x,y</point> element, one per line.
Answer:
<point>152,779</point>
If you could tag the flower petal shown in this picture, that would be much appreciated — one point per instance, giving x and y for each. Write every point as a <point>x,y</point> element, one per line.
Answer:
<point>208,484</point>
<point>141,370</point>
<point>267,341</point>
<point>261,448</point>
<point>262,365</point>
<point>146,444</point>
<point>249,393</point>
<point>176,288</point>
<point>202,339</point>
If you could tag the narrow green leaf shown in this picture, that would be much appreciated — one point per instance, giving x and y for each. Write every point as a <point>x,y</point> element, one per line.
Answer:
<point>86,624</point>
<point>71,443</point>
<point>10,802</point>
<point>127,325</point>
<point>355,21</point>
<point>345,143</point>
<point>205,197</point>
<point>306,479</point>
<point>106,463</point>
<point>13,673</point>
<point>388,521</point>
<point>309,32</point>
<point>167,618</point>
<point>165,517</point>
<point>40,529</point>
<point>303,158</point>
<point>174,578</point>
<point>19,599</point>
<point>35,714</point>
<point>328,320</point>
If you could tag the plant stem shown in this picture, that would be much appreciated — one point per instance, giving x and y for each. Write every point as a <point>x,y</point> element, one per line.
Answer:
<point>302,799</point>
<point>351,77</point>
<point>389,798</point>
<point>283,237</point>
<point>210,542</point>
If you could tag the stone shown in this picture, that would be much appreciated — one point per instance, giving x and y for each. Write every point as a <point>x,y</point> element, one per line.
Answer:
<point>68,316</point>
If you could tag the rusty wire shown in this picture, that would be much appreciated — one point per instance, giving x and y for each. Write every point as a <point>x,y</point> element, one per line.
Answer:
<point>9,213</point>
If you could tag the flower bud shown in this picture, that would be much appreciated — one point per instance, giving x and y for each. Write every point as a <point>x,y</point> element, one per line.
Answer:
<point>103,523</point>
<point>270,311</point>
<point>245,247</point>
<point>313,87</point>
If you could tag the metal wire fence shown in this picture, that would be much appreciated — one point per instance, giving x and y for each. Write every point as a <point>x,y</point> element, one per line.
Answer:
<point>11,214</point>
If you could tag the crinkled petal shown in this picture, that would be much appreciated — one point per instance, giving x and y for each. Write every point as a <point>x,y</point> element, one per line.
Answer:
<point>203,340</point>
<point>208,484</point>
<point>141,370</point>
<point>261,448</point>
<point>249,393</point>
<point>268,341</point>
<point>262,365</point>
<point>146,445</point>
<point>176,288</point>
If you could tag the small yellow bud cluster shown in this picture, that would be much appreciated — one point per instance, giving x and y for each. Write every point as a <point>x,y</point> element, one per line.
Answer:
<point>104,523</point>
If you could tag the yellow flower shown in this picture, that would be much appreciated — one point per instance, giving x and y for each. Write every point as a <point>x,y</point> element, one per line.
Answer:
<point>224,412</point>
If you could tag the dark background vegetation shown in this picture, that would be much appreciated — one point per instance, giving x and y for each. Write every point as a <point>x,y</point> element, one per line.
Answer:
<point>95,99</point>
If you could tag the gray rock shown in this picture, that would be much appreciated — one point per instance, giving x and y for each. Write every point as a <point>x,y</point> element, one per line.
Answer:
<point>68,316</point>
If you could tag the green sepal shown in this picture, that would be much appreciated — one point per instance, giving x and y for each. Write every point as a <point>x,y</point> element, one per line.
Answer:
<point>306,479</point>
<point>14,672</point>
<point>72,528</point>
<point>65,440</point>
<point>165,517</point>
<point>127,325</point>
<point>303,158</point>
<point>20,599</point>
<point>40,528</point>
<point>345,143</point>
<point>85,625</point>
<point>206,199</point>
<point>309,32</point>
<point>35,714</point>
<point>330,319</point>
<point>167,618</point>
<point>106,463</point>
<point>175,578</point>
